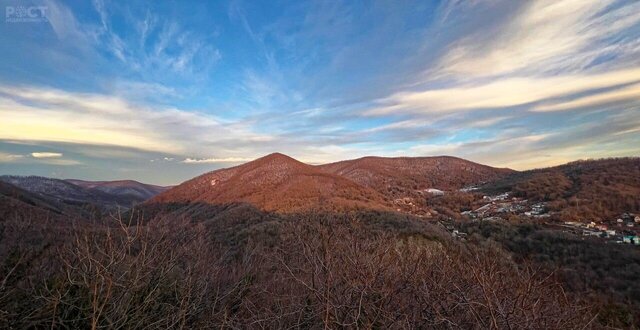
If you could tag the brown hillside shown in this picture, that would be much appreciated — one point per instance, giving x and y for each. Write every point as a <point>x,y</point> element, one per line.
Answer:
<point>399,177</point>
<point>583,190</point>
<point>275,183</point>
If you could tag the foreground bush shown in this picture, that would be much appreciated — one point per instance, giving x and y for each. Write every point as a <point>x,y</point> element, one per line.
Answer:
<point>311,271</point>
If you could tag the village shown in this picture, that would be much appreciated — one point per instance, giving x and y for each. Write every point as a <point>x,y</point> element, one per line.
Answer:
<point>624,229</point>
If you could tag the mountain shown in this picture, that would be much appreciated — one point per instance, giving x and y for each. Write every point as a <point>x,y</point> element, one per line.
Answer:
<point>19,203</point>
<point>403,176</point>
<point>59,190</point>
<point>584,190</point>
<point>129,189</point>
<point>67,195</point>
<point>276,183</point>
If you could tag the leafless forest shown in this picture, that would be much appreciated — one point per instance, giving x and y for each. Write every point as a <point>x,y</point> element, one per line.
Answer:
<point>314,271</point>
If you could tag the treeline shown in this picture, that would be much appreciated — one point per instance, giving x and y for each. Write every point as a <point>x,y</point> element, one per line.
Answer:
<point>316,270</point>
<point>606,274</point>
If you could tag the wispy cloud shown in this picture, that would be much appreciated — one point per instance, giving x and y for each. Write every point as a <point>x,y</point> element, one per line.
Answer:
<point>546,35</point>
<point>545,84</point>
<point>46,155</point>
<point>629,93</point>
<point>54,115</point>
<point>523,149</point>
<point>62,162</point>
<point>215,160</point>
<point>5,157</point>
<point>548,51</point>
<point>49,158</point>
<point>506,92</point>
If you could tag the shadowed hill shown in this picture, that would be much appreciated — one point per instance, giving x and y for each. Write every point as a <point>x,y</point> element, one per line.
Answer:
<point>130,189</point>
<point>19,203</point>
<point>78,194</point>
<point>69,194</point>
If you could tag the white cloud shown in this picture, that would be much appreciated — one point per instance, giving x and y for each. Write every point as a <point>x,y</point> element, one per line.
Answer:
<point>64,23</point>
<point>545,35</point>
<point>37,114</point>
<point>548,56</point>
<point>46,154</point>
<point>62,162</point>
<point>51,158</point>
<point>500,93</point>
<point>6,158</point>
<point>215,160</point>
<point>629,93</point>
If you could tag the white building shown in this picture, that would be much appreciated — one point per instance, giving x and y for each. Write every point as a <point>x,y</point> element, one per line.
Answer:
<point>435,192</point>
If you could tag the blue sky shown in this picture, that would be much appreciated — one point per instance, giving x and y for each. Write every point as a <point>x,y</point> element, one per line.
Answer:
<point>161,91</point>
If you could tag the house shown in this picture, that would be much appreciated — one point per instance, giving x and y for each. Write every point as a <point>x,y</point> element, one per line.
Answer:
<point>469,214</point>
<point>458,234</point>
<point>500,197</point>
<point>590,233</point>
<point>435,192</point>
<point>483,209</point>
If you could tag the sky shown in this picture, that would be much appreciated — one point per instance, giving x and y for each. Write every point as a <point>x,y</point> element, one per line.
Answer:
<point>162,91</point>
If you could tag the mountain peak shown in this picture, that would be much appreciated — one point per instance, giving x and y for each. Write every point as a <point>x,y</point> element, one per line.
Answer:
<point>276,156</point>
<point>277,162</point>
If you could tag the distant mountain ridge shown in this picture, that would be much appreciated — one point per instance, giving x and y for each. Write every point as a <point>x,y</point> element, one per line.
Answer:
<point>135,190</point>
<point>77,193</point>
